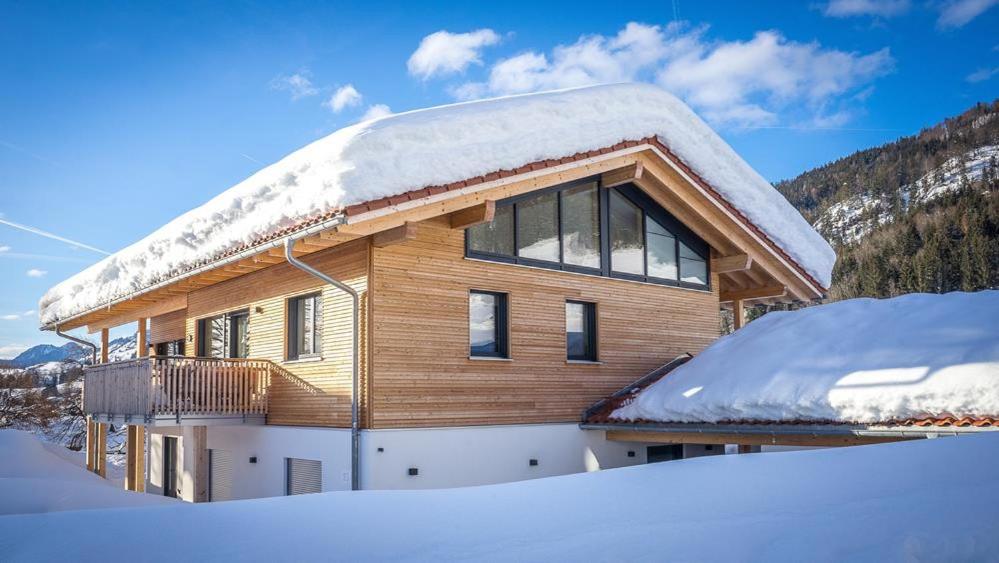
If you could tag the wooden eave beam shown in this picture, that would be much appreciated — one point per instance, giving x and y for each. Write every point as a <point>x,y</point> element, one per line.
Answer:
<point>395,235</point>
<point>750,294</point>
<point>475,215</point>
<point>733,263</point>
<point>627,175</point>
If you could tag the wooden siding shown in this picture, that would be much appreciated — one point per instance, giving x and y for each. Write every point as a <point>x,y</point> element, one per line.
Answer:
<point>168,327</point>
<point>314,392</point>
<point>422,375</point>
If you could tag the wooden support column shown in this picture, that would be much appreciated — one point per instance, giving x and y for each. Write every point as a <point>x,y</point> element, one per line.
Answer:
<point>141,341</point>
<point>101,450</point>
<point>200,463</point>
<point>745,449</point>
<point>104,345</point>
<point>738,314</point>
<point>91,444</point>
<point>135,467</point>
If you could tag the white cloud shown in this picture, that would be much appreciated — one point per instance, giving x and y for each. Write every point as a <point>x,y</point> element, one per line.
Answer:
<point>8,351</point>
<point>877,8</point>
<point>982,74</point>
<point>10,317</point>
<point>957,13</point>
<point>299,85</point>
<point>28,313</point>
<point>35,273</point>
<point>444,52</point>
<point>344,97</point>
<point>4,248</point>
<point>750,82</point>
<point>375,111</point>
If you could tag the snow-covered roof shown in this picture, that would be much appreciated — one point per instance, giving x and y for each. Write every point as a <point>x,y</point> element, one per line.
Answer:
<point>432,147</point>
<point>865,361</point>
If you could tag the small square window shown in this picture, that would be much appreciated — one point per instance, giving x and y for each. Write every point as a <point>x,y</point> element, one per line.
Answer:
<point>487,324</point>
<point>581,331</point>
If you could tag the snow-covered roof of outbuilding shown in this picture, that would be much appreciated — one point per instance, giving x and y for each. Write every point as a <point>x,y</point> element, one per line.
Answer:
<point>434,147</point>
<point>918,359</point>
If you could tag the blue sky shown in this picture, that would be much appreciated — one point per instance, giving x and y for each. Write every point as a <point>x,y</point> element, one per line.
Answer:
<point>115,118</point>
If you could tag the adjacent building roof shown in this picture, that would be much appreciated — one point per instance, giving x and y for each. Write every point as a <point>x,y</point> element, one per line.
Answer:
<point>365,165</point>
<point>916,360</point>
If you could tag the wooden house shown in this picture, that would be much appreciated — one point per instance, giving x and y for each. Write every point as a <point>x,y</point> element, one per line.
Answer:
<point>480,276</point>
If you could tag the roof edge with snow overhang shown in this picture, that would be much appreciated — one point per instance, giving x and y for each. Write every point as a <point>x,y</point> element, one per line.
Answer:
<point>333,171</point>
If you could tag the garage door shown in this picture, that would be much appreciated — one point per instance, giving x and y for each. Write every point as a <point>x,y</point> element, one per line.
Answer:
<point>219,475</point>
<point>304,476</point>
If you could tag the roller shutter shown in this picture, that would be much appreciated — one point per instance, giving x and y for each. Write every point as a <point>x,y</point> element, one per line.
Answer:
<point>219,475</point>
<point>304,476</point>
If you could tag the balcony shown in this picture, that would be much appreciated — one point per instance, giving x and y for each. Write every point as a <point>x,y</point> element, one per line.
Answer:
<point>171,391</point>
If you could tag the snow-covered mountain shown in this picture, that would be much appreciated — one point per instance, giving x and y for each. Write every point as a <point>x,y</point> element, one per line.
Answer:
<point>853,218</point>
<point>47,357</point>
<point>49,353</point>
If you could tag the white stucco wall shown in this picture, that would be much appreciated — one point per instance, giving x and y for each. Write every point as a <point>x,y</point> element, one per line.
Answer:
<point>445,457</point>
<point>478,455</point>
<point>272,445</point>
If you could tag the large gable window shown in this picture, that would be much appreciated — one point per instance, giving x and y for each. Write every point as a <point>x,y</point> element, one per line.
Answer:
<point>581,227</point>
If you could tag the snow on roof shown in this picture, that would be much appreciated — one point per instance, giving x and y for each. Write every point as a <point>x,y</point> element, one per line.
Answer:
<point>861,361</point>
<point>926,500</point>
<point>408,151</point>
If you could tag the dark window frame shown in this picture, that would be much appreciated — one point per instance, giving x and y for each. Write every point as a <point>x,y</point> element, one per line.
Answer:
<point>202,330</point>
<point>502,328</point>
<point>632,193</point>
<point>291,319</point>
<point>591,349</point>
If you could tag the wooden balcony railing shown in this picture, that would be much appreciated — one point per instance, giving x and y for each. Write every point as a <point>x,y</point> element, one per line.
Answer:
<point>164,387</point>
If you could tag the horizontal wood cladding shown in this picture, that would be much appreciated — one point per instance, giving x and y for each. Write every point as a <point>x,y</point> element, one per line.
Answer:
<point>167,327</point>
<point>314,392</point>
<point>422,375</point>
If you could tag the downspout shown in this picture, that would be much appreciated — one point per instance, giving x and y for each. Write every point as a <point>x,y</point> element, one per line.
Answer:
<point>355,444</point>
<point>91,345</point>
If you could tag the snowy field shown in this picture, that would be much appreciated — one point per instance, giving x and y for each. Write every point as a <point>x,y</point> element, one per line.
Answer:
<point>932,500</point>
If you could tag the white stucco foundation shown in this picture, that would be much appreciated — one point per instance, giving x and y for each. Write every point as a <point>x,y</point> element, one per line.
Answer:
<point>480,455</point>
<point>442,457</point>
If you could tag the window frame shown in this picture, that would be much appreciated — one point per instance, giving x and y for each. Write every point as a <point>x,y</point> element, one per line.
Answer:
<point>649,207</point>
<point>291,327</point>
<point>590,332</point>
<point>502,328</point>
<point>202,348</point>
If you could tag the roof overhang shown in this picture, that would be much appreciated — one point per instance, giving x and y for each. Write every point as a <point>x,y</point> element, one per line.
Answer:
<point>769,271</point>
<point>791,434</point>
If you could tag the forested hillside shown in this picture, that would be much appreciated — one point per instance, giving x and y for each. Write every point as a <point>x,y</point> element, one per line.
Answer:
<point>920,214</point>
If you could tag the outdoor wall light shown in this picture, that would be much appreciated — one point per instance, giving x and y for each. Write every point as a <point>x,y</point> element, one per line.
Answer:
<point>381,450</point>
<point>253,459</point>
<point>631,453</point>
<point>258,309</point>
<point>532,462</point>
<point>413,471</point>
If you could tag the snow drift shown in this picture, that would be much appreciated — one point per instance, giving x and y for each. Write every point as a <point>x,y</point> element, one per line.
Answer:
<point>861,360</point>
<point>409,151</point>
<point>931,500</point>
<point>41,477</point>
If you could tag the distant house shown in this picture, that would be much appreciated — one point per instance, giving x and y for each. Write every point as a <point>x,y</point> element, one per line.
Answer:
<point>431,299</point>
<point>854,372</point>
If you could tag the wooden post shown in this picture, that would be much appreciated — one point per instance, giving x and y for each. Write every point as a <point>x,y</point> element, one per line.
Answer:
<point>738,314</point>
<point>101,451</point>
<point>104,345</point>
<point>200,462</point>
<point>91,444</point>
<point>135,471</point>
<point>744,449</point>
<point>141,342</point>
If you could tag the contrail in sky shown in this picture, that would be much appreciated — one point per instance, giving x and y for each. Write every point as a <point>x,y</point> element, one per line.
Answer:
<point>52,236</point>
